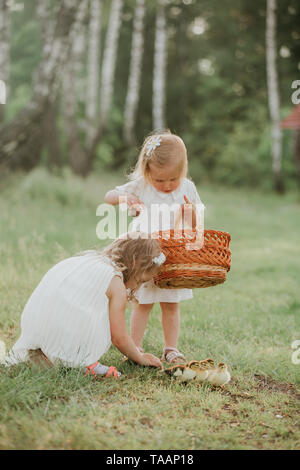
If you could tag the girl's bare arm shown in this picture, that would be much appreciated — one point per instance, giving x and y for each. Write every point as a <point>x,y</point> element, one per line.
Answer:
<point>113,197</point>
<point>119,336</point>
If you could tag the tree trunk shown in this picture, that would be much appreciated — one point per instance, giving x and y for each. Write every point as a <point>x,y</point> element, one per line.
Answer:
<point>43,11</point>
<point>109,60</point>
<point>77,154</point>
<point>50,136</point>
<point>93,68</point>
<point>134,73</point>
<point>21,140</point>
<point>4,53</point>
<point>296,145</point>
<point>108,71</point>
<point>273,95</point>
<point>160,63</point>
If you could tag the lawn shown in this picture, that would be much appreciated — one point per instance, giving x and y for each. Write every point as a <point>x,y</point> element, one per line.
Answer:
<point>249,322</point>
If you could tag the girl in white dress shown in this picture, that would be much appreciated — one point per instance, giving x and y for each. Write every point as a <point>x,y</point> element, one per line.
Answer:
<point>158,182</point>
<point>78,308</point>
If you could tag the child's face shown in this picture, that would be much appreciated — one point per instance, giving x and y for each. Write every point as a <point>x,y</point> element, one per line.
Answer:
<point>165,179</point>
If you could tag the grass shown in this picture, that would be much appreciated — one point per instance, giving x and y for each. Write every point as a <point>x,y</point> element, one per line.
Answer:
<point>249,322</point>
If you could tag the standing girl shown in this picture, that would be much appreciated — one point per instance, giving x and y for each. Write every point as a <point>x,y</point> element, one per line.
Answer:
<point>78,308</point>
<point>158,178</point>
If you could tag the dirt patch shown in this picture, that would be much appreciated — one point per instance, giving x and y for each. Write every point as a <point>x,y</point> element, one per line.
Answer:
<point>267,383</point>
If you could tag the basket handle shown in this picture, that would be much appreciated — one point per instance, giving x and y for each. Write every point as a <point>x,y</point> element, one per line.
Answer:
<point>195,222</point>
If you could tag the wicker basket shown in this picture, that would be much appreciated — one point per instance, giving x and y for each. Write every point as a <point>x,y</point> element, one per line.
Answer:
<point>185,268</point>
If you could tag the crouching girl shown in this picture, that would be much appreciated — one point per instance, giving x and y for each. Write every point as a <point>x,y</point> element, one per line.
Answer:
<point>78,309</point>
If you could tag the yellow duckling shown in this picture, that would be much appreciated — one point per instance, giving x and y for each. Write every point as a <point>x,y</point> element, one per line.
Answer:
<point>181,372</point>
<point>220,376</point>
<point>200,369</point>
<point>210,364</point>
<point>175,371</point>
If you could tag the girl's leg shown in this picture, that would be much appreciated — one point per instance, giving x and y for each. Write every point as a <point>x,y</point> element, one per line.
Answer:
<point>138,323</point>
<point>171,326</point>
<point>170,323</point>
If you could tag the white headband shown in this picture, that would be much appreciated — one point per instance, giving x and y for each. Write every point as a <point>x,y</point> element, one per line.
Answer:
<point>159,260</point>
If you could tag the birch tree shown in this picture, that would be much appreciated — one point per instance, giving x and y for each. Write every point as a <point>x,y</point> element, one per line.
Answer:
<point>273,94</point>
<point>43,11</point>
<point>109,60</point>
<point>108,71</point>
<point>76,151</point>
<point>21,139</point>
<point>93,69</point>
<point>135,70</point>
<point>160,64</point>
<point>50,137</point>
<point>4,53</point>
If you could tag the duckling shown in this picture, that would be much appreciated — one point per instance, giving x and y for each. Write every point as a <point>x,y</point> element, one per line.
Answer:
<point>181,372</point>
<point>200,369</point>
<point>210,363</point>
<point>188,373</point>
<point>175,371</point>
<point>220,376</point>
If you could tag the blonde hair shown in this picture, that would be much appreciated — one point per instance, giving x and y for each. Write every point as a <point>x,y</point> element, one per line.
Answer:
<point>134,256</point>
<point>170,151</point>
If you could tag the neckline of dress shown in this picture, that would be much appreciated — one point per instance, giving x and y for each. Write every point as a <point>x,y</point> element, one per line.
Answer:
<point>173,194</point>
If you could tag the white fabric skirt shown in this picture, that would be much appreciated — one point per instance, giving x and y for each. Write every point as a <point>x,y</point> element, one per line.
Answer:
<point>149,293</point>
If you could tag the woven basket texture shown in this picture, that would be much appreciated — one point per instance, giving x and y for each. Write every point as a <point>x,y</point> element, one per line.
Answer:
<point>190,268</point>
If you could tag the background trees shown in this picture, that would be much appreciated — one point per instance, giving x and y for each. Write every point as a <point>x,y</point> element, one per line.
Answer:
<point>197,67</point>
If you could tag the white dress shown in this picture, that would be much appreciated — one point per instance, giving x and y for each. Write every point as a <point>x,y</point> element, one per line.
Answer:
<point>148,293</point>
<point>67,315</point>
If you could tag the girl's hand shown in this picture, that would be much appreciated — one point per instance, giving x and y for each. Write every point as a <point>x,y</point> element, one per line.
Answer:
<point>188,213</point>
<point>133,199</point>
<point>152,361</point>
<point>134,203</point>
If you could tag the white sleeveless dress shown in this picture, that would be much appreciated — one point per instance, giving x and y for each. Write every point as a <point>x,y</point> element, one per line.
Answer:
<point>149,293</point>
<point>67,315</point>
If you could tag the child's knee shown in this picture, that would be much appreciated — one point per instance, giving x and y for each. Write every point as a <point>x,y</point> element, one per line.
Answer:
<point>169,308</point>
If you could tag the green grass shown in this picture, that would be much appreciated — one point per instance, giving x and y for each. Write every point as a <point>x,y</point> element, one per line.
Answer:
<point>249,322</point>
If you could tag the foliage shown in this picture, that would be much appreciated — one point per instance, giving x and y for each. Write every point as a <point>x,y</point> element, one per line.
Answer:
<point>216,86</point>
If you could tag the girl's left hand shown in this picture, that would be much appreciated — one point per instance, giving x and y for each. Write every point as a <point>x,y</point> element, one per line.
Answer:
<point>152,361</point>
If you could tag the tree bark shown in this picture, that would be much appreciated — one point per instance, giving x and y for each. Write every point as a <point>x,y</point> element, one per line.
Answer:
<point>77,155</point>
<point>93,68</point>
<point>160,64</point>
<point>109,60</point>
<point>134,73</point>
<point>296,149</point>
<point>50,136</point>
<point>273,95</point>
<point>43,11</point>
<point>21,140</point>
<point>4,52</point>
<point>108,71</point>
